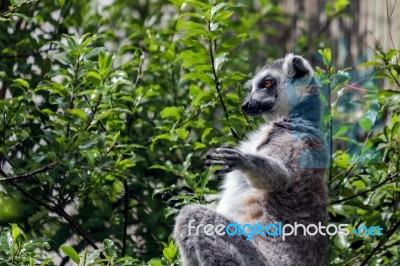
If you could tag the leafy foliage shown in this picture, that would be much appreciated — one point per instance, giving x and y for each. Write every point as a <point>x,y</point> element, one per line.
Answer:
<point>103,110</point>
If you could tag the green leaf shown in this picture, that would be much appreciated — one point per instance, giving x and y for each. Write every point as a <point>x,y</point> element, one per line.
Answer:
<point>105,63</point>
<point>202,98</point>
<point>22,82</point>
<point>170,251</point>
<point>326,56</point>
<point>205,133</point>
<point>171,112</point>
<point>199,145</point>
<point>162,167</point>
<point>342,160</point>
<point>187,162</point>
<point>91,257</point>
<point>195,3</point>
<point>182,133</point>
<point>391,53</point>
<point>71,253</point>
<point>369,64</point>
<point>155,262</point>
<point>341,4</point>
<point>72,42</point>
<point>194,90</point>
<point>388,93</point>
<point>58,72</point>
<point>224,15</point>
<point>77,112</point>
<point>204,177</point>
<point>15,231</point>
<point>220,60</point>
<point>85,40</point>
<point>218,7</point>
<point>342,130</point>
<point>381,75</point>
<point>94,75</point>
<point>365,123</point>
<point>46,262</point>
<point>128,259</point>
<point>170,211</point>
<point>64,58</point>
<point>6,242</point>
<point>109,248</point>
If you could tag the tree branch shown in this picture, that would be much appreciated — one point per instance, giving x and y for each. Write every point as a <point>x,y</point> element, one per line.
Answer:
<point>71,221</point>
<point>3,132</point>
<point>38,53</point>
<point>388,234</point>
<point>29,174</point>
<point>94,111</point>
<point>126,209</point>
<point>218,84</point>
<point>16,7</point>
<point>366,191</point>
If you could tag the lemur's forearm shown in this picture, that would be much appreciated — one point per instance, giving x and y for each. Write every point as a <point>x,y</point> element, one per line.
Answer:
<point>266,173</point>
<point>262,172</point>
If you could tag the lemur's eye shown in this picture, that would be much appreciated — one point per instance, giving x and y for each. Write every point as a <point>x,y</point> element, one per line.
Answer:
<point>268,84</point>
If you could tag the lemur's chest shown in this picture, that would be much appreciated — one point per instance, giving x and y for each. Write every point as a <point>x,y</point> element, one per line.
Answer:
<point>237,192</point>
<point>255,140</point>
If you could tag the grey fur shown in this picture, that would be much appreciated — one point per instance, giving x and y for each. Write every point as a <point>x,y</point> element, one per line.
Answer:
<point>276,175</point>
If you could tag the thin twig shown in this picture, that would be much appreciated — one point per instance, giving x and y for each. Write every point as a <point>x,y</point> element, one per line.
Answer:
<point>366,191</point>
<point>388,16</point>
<point>218,84</point>
<point>71,221</point>
<point>136,102</point>
<point>3,133</point>
<point>16,7</point>
<point>94,111</point>
<point>29,174</point>
<point>386,237</point>
<point>38,53</point>
<point>126,209</point>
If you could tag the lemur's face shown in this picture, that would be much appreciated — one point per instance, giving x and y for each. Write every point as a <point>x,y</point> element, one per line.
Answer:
<point>268,87</point>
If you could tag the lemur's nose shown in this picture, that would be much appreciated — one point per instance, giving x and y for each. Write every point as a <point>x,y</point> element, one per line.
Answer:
<point>245,105</point>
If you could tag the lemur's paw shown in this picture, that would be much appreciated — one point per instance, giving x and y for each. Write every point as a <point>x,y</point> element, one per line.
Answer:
<point>226,156</point>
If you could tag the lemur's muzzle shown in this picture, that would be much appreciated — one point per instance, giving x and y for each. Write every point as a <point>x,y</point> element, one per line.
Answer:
<point>255,107</point>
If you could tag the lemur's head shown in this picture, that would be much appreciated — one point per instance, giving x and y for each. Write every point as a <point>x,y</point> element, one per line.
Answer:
<point>280,87</point>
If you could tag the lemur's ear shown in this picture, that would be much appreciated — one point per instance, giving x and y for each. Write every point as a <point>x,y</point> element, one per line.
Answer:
<point>296,67</point>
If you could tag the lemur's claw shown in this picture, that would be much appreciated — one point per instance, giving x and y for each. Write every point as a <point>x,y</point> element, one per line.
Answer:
<point>224,171</point>
<point>227,156</point>
<point>218,162</point>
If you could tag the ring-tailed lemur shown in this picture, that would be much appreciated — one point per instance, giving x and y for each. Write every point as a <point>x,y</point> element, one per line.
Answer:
<point>276,175</point>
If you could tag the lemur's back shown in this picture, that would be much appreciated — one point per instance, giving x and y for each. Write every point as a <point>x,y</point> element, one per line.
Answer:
<point>274,177</point>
